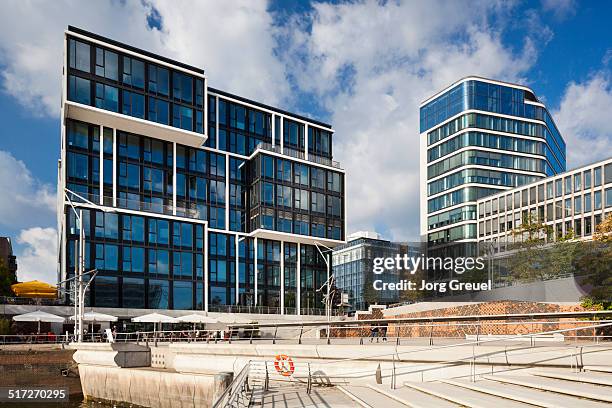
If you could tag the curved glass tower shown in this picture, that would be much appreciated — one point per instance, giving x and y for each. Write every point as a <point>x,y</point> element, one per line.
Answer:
<point>480,137</point>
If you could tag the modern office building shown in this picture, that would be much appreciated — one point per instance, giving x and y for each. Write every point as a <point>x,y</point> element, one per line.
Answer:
<point>193,198</point>
<point>353,265</point>
<point>571,204</point>
<point>480,137</point>
<point>8,258</point>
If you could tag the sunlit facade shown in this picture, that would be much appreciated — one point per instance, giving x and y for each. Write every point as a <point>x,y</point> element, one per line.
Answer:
<point>193,198</point>
<point>480,137</point>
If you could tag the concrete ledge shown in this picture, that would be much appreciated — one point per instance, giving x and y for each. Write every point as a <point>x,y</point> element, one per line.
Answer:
<point>112,354</point>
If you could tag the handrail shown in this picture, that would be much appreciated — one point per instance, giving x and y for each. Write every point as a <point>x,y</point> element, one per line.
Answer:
<point>477,342</point>
<point>550,315</point>
<point>235,388</point>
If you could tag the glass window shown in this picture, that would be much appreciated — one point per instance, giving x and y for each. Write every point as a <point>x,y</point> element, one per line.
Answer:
<point>182,117</point>
<point>107,97</point>
<point>597,176</point>
<point>587,202</point>
<point>587,179</point>
<point>182,295</point>
<point>182,87</point>
<point>78,166</point>
<point>133,293</point>
<point>158,294</point>
<point>106,291</point>
<point>159,111</point>
<point>159,79</point>
<point>317,179</point>
<point>79,90</point>
<point>568,185</point>
<point>79,55</point>
<point>133,72</point>
<point>577,205</point>
<point>106,64</point>
<point>597,200</point>
<point>608,173</point>
<point>558,188</point>
<point>549,190</point>
<point>608,197</point>
<point>577,182</point>
<point>133,104</point>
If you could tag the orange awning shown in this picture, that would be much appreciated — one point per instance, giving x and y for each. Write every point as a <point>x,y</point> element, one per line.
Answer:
<point>35,289</point>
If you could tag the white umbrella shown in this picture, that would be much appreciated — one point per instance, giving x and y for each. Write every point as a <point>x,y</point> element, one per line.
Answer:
<point>230,318</point>
<point>97,317</point>
<point>196,318</point>
<point>39,316</point>
<point>154,318</point>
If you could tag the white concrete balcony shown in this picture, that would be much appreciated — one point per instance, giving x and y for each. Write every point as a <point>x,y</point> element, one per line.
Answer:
<point>119,121</point>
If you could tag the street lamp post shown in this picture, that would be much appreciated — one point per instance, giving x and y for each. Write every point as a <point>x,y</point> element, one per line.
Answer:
<point>79,290</point>
<point>329,280</point>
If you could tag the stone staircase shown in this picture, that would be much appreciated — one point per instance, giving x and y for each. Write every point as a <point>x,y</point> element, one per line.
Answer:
<point>552,388</point>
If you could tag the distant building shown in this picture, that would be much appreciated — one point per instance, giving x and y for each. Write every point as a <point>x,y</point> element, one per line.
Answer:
<point>353,265</point>
<point>572,202</point>
<point>7,258</point>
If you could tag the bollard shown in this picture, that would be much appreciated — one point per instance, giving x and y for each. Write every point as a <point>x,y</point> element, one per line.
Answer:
<point>378,375</point>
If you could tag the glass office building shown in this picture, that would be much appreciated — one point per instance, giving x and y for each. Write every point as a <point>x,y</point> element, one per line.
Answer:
<point>192,197</point>
<point>353,265</point>
<point>571,204</point>
<point>479,137</point>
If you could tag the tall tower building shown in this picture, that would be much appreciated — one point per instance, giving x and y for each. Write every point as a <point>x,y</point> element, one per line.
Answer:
<point>479,137</point>
<point>192,197</point>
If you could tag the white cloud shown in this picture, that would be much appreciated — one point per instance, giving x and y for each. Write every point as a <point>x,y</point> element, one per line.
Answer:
<point>583,119</point>
<point>233,40</point>
<point>24,201</point>
<point>394,55</point>
<point>31,42</point>
<point>561,9</point>
<point>37,257</point>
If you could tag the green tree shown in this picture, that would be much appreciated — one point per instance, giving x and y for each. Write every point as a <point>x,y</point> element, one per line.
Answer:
<point>594,264</point>
<point>535,256</point>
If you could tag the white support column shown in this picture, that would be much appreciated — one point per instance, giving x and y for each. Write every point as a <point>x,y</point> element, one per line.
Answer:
<point>227,188</point>
<point>282,128</point>
<point>255,271</point>
<point>216,122</point>
<point>237,268</point>
<point>115,167</point>
<point>101,165</point>
<point>298,281</point>
<point>282,277</point>
<point>174,178</point>
<point>306,141</point>
<point>206,280</point>
<point>273,127</point>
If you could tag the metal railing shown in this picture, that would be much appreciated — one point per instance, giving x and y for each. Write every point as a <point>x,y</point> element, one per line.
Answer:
<point>237,392</point>
<point>298,154</point>
<point>11,300</point>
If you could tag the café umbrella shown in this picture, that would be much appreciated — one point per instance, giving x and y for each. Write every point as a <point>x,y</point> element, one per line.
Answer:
<point>154,318</point>
<point>39,316</point>
<point>196,318</point>
<point>96,317</point>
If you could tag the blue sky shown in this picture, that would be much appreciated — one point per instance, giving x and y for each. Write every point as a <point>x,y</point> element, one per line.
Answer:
<point>363,66</point>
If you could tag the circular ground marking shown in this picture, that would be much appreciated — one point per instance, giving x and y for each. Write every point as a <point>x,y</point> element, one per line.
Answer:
<point>284,365</point>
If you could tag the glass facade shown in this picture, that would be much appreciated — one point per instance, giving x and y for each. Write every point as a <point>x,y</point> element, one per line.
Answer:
<point>171,226</point>
<point>489,135</point>
<point>353,265</point>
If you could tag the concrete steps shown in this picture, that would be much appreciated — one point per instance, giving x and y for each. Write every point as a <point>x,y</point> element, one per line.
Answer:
<point>517,393</point>
<point>412,398</point>
<point>464,396</point>
<point>367,397</point>
<point>591,377</point>
<point>601,369</point>
<point>591,391</point>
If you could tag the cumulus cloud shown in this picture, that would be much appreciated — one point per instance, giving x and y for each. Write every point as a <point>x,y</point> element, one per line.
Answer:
<point>37,256</point>
<point>583,119</point>
<point>233,40</point>
<point>561,9</point>
<point>31,42</point>
<point>24,201</point>
<point>371,64</point>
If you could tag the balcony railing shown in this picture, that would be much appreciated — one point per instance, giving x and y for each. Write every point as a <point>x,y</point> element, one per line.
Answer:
<point>287,151</point>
